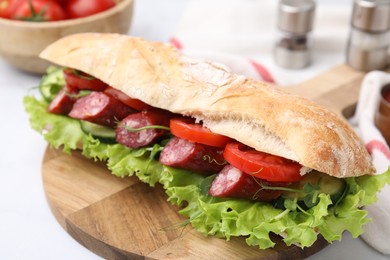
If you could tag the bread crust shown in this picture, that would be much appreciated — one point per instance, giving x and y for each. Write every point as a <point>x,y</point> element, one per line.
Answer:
<point>263,117</point>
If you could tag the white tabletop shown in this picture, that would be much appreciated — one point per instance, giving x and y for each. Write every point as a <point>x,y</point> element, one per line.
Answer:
<point>28,230</point>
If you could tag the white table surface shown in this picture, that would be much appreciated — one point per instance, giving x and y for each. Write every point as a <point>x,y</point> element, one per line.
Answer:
<point>28,230</point>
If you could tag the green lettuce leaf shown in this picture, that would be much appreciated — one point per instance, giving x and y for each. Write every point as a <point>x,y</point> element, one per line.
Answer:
<point>51,83</point>
<point>57,130</point>
<point>223,218</point>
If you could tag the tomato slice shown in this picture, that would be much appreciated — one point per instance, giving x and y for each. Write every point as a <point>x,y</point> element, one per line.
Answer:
<point>131,102</point>
<point>186,128</point>
<point>262,165</point>
<point>81,80</point>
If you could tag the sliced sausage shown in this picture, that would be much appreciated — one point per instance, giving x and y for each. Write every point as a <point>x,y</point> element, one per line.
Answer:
<point>196,157</point>
<point>232,182</point>
<point>62,104</point>
<point>136,139</point>
<point>101,109</point>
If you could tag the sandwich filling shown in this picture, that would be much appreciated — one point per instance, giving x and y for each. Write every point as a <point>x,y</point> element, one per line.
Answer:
<point>225,187</point>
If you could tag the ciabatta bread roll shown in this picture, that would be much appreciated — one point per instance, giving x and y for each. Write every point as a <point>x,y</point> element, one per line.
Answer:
<point>260,116</point>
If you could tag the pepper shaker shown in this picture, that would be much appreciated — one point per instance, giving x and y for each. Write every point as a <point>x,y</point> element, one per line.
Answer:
<point>369,37</point>
<point>294,43</point>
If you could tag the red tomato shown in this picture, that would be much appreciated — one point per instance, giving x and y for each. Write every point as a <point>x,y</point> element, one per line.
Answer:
<point>262,165</point>
<point>38,11</point>
<point>82,8</point>
<point>81,80</point>
<point>7,8</point>
<point>131,102</point>
<point>187,129</point>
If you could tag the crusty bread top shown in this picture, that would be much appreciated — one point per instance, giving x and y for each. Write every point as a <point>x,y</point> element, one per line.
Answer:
<point>263,117</point>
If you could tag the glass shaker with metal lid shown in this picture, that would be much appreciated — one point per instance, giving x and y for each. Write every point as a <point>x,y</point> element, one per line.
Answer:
<point>369,38</point>
<point>295,22</point>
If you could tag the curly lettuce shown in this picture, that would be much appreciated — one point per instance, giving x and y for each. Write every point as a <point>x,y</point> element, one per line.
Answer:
<point>224,218</point>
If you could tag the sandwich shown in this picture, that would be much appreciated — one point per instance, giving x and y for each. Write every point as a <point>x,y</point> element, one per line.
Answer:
<point>240,157</point>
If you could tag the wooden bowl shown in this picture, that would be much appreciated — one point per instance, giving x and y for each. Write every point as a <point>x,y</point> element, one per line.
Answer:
<point>382,115</point>
<point>383,124</point>
<point>21,41</point>
<point>384,104</point>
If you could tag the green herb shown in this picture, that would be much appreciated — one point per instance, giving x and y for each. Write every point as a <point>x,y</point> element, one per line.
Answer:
<point>253,173</point>
<point>153,152</point>
<point>212,160</point>
<point>311,192</point>
<point>138,152</point>
<point>311,198</point>
<point>131,129</point>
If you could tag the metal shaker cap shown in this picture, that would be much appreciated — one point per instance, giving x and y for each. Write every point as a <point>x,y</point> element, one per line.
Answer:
<point>296,16</point>
<point>371,15</point>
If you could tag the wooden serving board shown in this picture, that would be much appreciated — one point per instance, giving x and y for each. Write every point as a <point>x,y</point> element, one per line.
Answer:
<point>125,218</point>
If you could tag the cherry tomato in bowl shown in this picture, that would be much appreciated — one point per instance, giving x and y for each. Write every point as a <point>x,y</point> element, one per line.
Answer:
<point>186,128</point>
<point>7,8</point>
<point>52,10</point>
<point>38,11</point>
<point>262,165</point>
<point>83,8</point>
<point>23,41</point>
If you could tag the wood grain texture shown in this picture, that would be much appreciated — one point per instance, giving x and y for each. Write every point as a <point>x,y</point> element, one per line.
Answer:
<point>124,218</point>
<point>336,89</point>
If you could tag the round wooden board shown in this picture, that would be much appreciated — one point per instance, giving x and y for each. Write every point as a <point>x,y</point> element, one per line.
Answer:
<point>125,218</point>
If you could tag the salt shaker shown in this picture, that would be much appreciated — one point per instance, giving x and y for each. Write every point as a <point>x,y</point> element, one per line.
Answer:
<point>369,38</point>
<point>294,42</point>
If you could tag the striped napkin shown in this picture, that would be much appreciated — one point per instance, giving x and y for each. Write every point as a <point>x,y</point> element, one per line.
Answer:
<point>377,232</point>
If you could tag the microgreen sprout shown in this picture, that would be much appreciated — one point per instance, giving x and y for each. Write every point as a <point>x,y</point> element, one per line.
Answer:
<point>256,172</point>
<point>133,130</point>
<point>212,160</point>
<point>311,192</point>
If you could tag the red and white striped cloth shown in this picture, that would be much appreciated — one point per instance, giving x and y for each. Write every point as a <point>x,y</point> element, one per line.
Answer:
<point>377,232</point>
<point>238,64</point>
<point>363,119</point>
<point>240,34</point>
